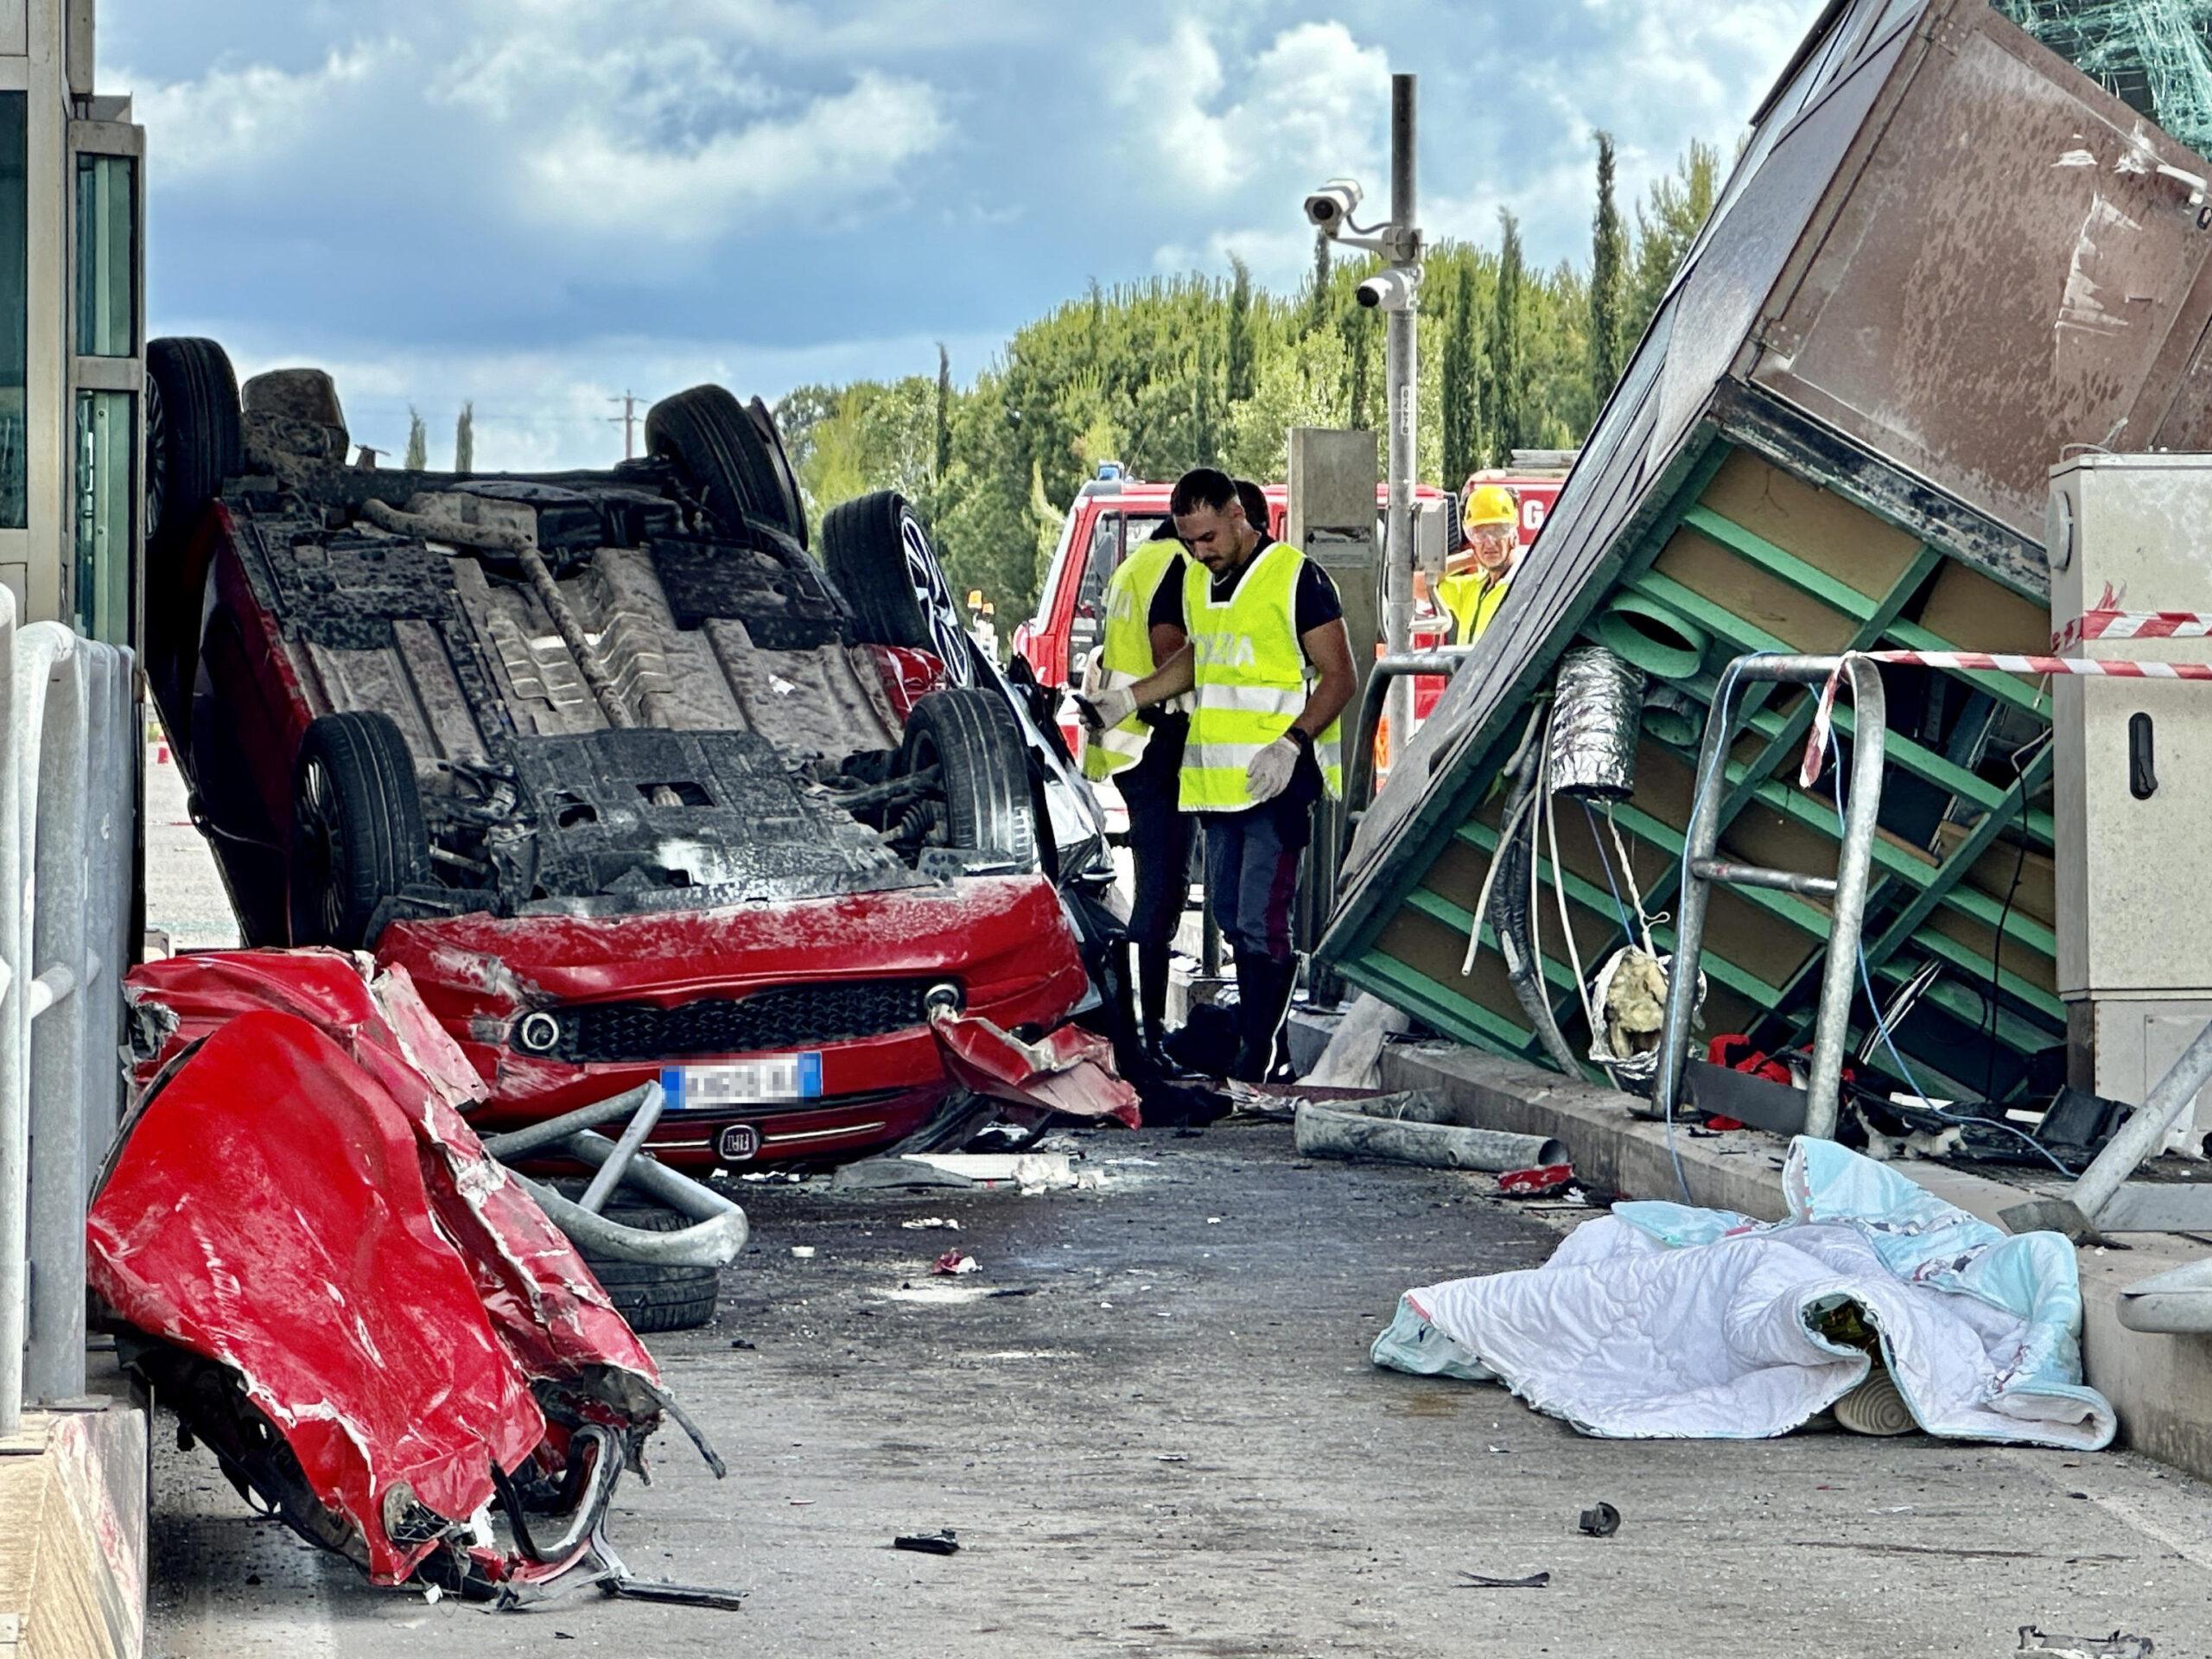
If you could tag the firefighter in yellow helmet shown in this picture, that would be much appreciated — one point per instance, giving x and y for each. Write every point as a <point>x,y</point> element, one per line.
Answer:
<point>1477,575</point>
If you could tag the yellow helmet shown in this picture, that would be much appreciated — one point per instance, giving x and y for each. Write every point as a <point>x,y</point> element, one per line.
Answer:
<point>1488,504</point>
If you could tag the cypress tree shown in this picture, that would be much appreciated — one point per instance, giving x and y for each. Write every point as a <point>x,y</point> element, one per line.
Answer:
<point>1507,372</point>
<point>1240,365</point>
<point>1608,278</point>
<point>1461,453</point>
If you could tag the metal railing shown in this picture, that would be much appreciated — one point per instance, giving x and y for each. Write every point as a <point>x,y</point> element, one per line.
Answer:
<point>68,793</point>
<point>1844,890</point>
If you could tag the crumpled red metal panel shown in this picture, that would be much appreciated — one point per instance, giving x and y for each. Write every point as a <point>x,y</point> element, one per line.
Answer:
<point>299,1198</point>
<point>267,1209</point>
<point>550,1309</point>
<point>1068,1069</point>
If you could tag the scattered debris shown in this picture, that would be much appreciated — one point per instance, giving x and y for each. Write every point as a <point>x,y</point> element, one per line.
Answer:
<point>1539,1183</point>
<point>1479,1581</point>
<point>946,1542</point>
<point>979,1171</point>
<point>2036,1645</point>
<point>1602,1522</point>
<point>1171,1457</point>
<point>956,1261</point>
<point>803,1252</point>
<point>928,1224</point>
<point>1415,1129</point>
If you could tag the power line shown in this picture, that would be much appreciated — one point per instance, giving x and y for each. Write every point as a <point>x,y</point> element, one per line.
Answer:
<point>627,420</point>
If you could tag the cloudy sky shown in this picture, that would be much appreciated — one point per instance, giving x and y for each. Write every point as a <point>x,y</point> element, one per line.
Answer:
<point>540,204</point>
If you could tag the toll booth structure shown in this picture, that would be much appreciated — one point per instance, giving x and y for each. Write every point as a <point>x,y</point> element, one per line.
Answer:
<point>1946,259</point>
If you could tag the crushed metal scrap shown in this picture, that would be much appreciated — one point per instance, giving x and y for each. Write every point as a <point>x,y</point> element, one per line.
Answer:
<point>307,1252</point>
<point>1945,256</point>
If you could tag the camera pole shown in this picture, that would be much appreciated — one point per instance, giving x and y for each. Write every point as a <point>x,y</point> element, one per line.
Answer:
<point>1401,388</point>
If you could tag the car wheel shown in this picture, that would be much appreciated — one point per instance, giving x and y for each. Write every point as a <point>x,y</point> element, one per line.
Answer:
<point>655,1298</point>
<point>764,422</point>
<point>708,434</point>
<point>358,835</point>
<point>969,734</point>
<point>192,441</point>
<point>879,557</point>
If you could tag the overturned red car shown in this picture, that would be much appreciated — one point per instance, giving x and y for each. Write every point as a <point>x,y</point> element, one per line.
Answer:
<point>633,778</point>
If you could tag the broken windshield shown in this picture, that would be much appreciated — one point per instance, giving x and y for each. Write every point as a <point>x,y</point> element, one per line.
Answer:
<point>2156,54</point>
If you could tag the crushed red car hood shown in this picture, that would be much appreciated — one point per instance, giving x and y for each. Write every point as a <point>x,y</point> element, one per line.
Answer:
<point>297,1196</point>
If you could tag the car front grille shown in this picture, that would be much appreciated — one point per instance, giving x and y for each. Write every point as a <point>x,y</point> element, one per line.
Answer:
<point>789,1016</point>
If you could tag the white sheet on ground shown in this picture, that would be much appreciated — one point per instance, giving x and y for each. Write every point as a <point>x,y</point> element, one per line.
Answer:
<point>1663,1321</point>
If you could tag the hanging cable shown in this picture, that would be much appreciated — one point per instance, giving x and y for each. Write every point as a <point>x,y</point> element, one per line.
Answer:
<point>1888,1041</point>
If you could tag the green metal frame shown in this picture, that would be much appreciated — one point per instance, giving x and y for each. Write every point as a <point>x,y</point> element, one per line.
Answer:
<point>1909,889</point>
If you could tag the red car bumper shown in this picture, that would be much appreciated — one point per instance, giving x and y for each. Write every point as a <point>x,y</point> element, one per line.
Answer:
<point>1003,942</point>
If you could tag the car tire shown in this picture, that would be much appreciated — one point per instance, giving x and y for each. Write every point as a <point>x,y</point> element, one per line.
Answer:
<point>193,435</point>
<point>358,833</point>
<point>879,557</point>
<point>654,1298</point>
<point>970,735</point>
<point>708,434</point>
<point>772,439</point>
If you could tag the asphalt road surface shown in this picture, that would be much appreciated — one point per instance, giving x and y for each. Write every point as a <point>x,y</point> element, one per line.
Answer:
<point>1171,1442</point>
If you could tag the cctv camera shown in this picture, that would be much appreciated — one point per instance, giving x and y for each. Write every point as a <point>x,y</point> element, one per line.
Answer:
<point>1329,206</point>
<point>1395,290</point>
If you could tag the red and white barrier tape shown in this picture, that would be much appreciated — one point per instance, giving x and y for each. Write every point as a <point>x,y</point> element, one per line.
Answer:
<point>2107,620</point>
<point>1816,741</point>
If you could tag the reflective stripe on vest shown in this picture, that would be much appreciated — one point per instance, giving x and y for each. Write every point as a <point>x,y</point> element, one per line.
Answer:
<point>1125,653</point>
<point>1252,679</point>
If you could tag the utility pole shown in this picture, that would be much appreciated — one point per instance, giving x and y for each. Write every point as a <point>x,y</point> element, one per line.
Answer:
<point>627,420</point>
<point>1402,389</point>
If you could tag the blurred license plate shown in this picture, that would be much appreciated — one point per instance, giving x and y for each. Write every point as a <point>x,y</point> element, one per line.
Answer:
<point>743,1082</point>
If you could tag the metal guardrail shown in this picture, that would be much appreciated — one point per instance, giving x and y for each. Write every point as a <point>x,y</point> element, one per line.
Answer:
<point>1846,891</point>
<point>68,789</point>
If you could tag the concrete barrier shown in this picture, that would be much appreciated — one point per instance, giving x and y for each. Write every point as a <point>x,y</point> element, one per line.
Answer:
<point>73,1534</point>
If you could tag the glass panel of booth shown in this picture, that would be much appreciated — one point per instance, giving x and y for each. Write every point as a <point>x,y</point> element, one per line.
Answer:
<point>106,257</point>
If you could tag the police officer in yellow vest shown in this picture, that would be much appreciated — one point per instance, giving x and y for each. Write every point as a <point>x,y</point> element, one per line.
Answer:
<point>1270,664</point>
<point>1144,755</point>
<point>1480,573</point>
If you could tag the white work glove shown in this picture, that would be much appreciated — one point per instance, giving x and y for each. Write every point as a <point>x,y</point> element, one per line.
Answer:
<point>1108,708</point>
<point>1269,774</point>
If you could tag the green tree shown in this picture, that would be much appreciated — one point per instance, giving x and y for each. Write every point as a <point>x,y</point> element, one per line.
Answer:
<point>1608,274</point>
<point>1240,352</point>
<point>418,441</point>
<point>1678,207</point>
<point>1459,391</point>
<point>464,439</point>
<point>1317,291</point>
<point>1298,385</point>
<point>1507,377</point>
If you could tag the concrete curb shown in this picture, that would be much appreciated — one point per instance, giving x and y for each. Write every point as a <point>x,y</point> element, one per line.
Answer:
<point>2161,1386</point>
<point>73,1534</point>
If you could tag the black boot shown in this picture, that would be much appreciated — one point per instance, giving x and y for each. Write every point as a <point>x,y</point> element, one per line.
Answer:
<point>1263,988</point>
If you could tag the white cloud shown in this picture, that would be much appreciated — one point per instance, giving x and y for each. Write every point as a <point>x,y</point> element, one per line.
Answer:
<point>235,117</point>
<point>835,147</point>
<point>1312,104</point>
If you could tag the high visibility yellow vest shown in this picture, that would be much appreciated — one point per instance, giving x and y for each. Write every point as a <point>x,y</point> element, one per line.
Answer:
<point>1473,599</point>
<point>1252,680</point>
<point>1125,653</point>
